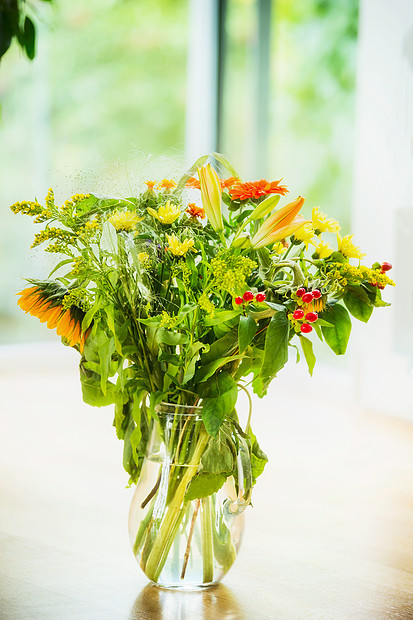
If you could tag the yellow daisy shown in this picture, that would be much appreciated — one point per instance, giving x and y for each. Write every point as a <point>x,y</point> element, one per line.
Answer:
<point>323,223</point>
<point>167,213</point>
<point>124,220</point>
<point>305,234</point>
<point>323,249</point>
<point>179,248</point>
<point>347,247</point>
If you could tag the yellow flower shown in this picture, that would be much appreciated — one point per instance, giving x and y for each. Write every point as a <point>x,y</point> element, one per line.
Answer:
<point>347,247</point>
<point>211,193</point>
<point>144,259</point>
<point>323,249</point>
<point>179,248</point>
<point>150,185</point>
<point>166,185</point>
<point>305,234</point>
<point>278,247</point>
<point>124,220</point>
<point>167,213</point>
<point>322,223</point>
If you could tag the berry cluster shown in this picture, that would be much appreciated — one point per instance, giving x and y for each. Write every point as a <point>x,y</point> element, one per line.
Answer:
<point>384,267</point>
<point>249,296</point>
<point>309,317</point>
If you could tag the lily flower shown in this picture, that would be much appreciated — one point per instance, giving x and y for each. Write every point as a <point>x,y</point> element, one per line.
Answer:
<point>280,224</point>
<point>211,196</point>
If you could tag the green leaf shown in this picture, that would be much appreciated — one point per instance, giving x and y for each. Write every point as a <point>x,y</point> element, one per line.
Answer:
<point>276,345</point>
<point>193,355</point>
<point>165,336</point>
<point>220,454</point>
<point>358,303</point>
<point>247,329</point>
<point>205,372</point>
<point>337,336</point>
<point>307,347</point>
<point>204,484</point>
<point>274,306</point>
<point>87,319</point>
<point>221,316</point>
<point>62,262</point>
<point>227,164</point>
<point>219,397</point>
<point>258,457</point>
<point>91,389</point>
<point>222,347</point>
<point>29,38</point>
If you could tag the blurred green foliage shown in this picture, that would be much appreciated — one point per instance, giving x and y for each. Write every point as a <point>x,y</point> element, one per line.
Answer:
<point>109,80</point>
<point>312,82</point>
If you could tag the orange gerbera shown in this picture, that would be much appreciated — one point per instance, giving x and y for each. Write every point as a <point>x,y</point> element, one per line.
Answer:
<point>195,211</point>
<point>194,183</point>
<point>150,184</point>
<point>256,189</point>
<point>45,301</point>
<point>166,184</point>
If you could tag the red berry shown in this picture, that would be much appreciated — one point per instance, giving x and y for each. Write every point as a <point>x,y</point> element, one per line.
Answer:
<point>316,293</point>
<point>386,266</point>
<point>311,317</point>
<point>306,328</point>
<point>238,301</point>
<point>248,296</point>
<point>381,287</point>
<point>260,297</point>
<point>307,297</point>
<point>373,283</point>
<point>300,292</point>
<point>298,314</point>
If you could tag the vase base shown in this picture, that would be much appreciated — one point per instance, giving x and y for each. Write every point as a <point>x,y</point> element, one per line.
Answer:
<point>185,587</point>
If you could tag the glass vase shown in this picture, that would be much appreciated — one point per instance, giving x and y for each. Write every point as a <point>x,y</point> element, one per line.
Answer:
<point>180,538</point>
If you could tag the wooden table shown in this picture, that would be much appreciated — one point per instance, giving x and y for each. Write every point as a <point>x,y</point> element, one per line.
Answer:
<point>330,535</point>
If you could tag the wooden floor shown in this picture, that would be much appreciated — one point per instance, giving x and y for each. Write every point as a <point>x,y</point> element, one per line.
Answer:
<point>330,535</point>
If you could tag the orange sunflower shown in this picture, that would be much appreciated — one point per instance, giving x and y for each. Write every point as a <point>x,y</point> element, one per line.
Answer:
<point>44,300</point>
<point>256,189</point>
<point>195,211</point>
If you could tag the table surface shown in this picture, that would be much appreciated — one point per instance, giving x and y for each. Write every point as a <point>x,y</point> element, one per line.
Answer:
<point>329,537</point>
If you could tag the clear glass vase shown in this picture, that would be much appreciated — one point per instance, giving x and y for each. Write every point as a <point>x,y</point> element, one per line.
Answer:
<point>180,541</point>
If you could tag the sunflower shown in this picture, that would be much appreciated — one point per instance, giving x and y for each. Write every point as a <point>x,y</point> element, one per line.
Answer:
<point>44,300</point>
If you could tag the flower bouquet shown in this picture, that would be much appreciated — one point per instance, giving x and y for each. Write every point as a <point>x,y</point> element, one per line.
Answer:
<point>176,299</point>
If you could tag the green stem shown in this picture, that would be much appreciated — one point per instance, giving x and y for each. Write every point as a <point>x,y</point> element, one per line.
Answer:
<point>142,527</point>
<point>174,514</point>
<point>207,549</point>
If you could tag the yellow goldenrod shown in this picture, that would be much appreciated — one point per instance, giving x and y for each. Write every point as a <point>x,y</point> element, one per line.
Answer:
<point>167,213</point>
<point>347,247</point>
<point>177,247</point>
